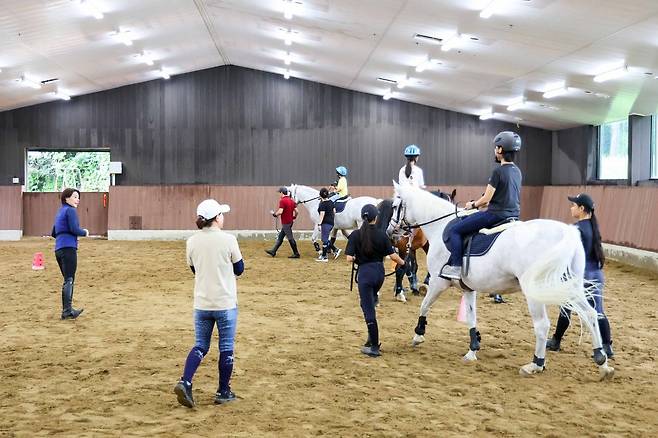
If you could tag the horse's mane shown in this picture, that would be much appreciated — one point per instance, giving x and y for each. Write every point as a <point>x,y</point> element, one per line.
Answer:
<point>385,214</point>
<point>432,204</point>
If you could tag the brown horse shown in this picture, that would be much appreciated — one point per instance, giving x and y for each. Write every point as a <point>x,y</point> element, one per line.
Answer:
<point>408,251</point>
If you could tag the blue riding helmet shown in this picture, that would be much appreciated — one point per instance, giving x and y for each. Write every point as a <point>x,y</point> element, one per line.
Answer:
<point>341,170</point>
<point>411,151</point>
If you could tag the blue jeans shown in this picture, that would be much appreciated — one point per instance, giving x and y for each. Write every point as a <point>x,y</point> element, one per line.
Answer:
<point>204,322</point>
<point>325,230</point>
<point>469,224</point>
<point>595,276</point>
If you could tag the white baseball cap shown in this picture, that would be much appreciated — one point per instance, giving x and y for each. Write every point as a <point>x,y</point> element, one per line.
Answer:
<point>210,208</point>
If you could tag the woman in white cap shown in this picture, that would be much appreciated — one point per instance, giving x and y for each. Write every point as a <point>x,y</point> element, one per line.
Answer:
<point>215,259</point>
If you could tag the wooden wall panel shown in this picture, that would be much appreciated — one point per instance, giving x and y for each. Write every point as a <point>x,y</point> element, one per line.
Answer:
<point>11,208</point>
<point>235,126</point>
<point>39,211</point>
<point>626,214</point>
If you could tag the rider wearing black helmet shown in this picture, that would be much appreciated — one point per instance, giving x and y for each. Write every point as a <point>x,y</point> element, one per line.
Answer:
<point>502,197</point>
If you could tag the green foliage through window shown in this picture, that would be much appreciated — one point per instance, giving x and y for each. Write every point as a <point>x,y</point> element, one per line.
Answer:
<point>52,171</point>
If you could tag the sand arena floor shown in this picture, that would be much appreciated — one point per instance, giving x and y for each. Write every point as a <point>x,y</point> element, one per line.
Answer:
<point>298,370</point>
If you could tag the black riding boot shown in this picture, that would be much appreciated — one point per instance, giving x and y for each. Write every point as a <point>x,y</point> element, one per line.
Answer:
<point>68,312</point>
<point>561,327</point>
<point>275,248</point>
<point>295,253</point>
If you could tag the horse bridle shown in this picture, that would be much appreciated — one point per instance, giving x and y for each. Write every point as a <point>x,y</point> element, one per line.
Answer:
<point>408,227</point>
<point>294,195</point>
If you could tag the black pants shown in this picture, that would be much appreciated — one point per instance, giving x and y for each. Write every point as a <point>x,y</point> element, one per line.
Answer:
<point>371,279</point>
<point>67,259</point>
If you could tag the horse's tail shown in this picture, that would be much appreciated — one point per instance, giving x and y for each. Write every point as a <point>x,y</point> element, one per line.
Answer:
<point>552,278</point>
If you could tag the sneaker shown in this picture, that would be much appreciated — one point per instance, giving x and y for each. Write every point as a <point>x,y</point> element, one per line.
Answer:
<point>225,397</point>
<point>372,351</point>
<point>498,299</point>
<point>322,259</point>
<point>337,253</point>
<point>452,272</point>
<point>294,256</point>
<point>553,344</point>
<point>270,252</point>
<point>183,391</point>
<point>401,298</point>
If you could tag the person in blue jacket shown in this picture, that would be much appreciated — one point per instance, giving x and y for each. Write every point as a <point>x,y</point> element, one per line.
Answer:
<point>66,231</point>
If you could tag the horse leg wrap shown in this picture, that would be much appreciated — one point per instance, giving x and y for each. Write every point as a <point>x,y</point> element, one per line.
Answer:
<point>475,339</point>
<point>420,328</point>
<point>316,245</point>
<point>599,356</point>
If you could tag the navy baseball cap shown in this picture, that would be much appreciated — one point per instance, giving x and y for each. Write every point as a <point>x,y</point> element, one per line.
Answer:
<point>584,200</point>
<point>369,212</point>
<point>283,190</point>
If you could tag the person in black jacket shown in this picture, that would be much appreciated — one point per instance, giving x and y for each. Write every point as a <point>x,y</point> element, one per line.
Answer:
<point>367,247</point>
<point>582,208</point>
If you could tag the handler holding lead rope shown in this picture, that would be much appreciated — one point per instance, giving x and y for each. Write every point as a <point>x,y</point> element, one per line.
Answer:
<point>368,246</point>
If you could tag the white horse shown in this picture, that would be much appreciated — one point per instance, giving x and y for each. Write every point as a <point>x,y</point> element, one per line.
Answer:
<point>348,219</point>
<point>544,259</point>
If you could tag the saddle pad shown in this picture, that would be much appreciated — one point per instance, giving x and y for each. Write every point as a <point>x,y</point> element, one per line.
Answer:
<point>480,243</point>
<point>339,205</point>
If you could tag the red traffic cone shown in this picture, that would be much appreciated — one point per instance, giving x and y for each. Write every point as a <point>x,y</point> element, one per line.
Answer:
<point>37,261</point>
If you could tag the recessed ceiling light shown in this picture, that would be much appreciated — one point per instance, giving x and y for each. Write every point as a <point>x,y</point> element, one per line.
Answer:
<point>649,73</point>
<point>588,92</point>
<point>473,38</point>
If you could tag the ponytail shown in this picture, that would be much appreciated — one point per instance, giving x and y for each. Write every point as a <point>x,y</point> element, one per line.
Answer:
<point>367,247</point>
<point>596,241</point>
<point>202,222</point>
<point>408,168</point>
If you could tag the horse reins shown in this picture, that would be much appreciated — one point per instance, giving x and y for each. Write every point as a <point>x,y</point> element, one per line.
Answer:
<point>411,227</point>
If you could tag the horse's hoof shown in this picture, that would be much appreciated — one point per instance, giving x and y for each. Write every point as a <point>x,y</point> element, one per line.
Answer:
<point>422,289</point>
<point>530,369</point>
<point>606,372</point>
<point>470,357</point>
<point>417,340</point>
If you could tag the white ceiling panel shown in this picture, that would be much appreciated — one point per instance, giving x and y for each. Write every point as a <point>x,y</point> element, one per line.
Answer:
<point>522,50</point>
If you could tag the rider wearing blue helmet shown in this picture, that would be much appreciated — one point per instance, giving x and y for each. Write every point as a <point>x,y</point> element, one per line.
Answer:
<point>502,198</point>
<point>411,173</point>
<point>342,193</point>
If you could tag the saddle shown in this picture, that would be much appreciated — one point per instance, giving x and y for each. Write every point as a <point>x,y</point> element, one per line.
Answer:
<point>340,203</point>
<point>480,242</point>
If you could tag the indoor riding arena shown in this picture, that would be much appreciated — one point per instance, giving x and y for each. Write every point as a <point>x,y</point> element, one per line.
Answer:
<point>137,303</point>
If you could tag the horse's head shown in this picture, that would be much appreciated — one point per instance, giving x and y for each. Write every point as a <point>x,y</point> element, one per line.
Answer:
<point>448,197</point>
<point>412,205</point>
<point>292,192</point>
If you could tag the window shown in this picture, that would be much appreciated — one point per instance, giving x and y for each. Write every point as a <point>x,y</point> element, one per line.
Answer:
<point>613,150</point>
<point>52,171</point>
<point>654,149</point>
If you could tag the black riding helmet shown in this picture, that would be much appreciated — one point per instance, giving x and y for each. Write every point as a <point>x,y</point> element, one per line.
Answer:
<point>508,140</point>
<point>369,212</point>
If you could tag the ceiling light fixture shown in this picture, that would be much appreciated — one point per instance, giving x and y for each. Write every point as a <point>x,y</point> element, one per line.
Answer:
<point>288,39</point>
<point>517,105</point>
<point>287,9</point>
<point>612,74</point>
<point>92,9</point>
<point>403,83</point>
<point>427,63</point>
<point>163,74</point>
<point>427,39</point>
<point>286,74</point>
<point>450,43</point>
<point>489,10</point>
<point>146,59</point>
<point>556,92</point>
<point>387,95</point>
<point>286,59</point>
<point>123,37</point>
<point>61,95</point>
<point>29,82</point>
<point>486,116</point>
